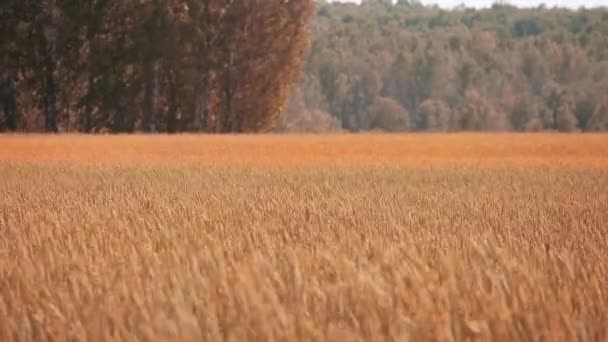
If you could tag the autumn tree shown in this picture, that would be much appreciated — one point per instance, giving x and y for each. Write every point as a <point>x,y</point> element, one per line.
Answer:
<point>524,112</point>
<point>519,63</point>
<point>565,118</point>
<point>387,114</point>
<point>152,65</point>
<point>599,119</point>
<point>262,50</point>
<point>434,115</point>
<point>8,62</point>
<point>230,66</point>
<point>477,114</point>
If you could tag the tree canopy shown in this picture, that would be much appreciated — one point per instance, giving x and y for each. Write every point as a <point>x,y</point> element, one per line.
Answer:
<point>496,69</point>
<point>230,66</point>
<point>151,65</point>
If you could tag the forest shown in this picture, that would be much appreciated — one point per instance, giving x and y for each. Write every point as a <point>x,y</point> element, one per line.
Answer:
<point>124,66</point>
<point>407,67</point>
<point>222,66</point>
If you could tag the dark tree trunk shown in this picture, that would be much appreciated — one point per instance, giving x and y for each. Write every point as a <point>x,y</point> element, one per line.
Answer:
<point>172,110</point>
<point>150,80</point>
<point>50,64</point>
<point>9,104</point>
<point>203,109</point>
<point>50,101</point>
<point>228,120</point>
<point>124,120</point>
<point>204,104</point>
<point>119,122</point>
<point>87,120</point>
<point>93,23</point>
<point>50,94</point>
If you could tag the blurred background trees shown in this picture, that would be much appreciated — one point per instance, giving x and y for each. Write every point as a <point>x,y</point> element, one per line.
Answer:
<point>230,66</point>
<point>496,69</point>
<point>149,65</point>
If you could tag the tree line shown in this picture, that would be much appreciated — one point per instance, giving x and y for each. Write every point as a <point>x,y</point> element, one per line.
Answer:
<point>149,65</point>
<point>409,67</point>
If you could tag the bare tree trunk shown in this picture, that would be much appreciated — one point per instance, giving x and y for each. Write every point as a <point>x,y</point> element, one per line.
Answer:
<point>204,103</point>
<point>150,82</point>
<point>50,99</point>
<point>3,100</point>
<point>150,65</point>
<point>50,61</point>
<point>87,119</point>
<point>228,94</point>
<point>172,110</point>
<point>204,110</point>
<point>9,104</point>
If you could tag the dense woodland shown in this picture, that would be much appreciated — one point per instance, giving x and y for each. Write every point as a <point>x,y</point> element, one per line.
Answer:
<point>230,66</point>
<point>149,65</point>
<point>406,67</point>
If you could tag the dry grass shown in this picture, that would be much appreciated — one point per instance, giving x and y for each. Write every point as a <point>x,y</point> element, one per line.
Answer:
<point>365,238</point>
<point>293,150</point>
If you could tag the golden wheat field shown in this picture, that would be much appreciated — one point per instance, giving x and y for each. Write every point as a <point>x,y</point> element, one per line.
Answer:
<point>304,238</point>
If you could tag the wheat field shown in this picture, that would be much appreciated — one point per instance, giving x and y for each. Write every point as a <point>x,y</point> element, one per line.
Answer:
<point>304,238</point>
